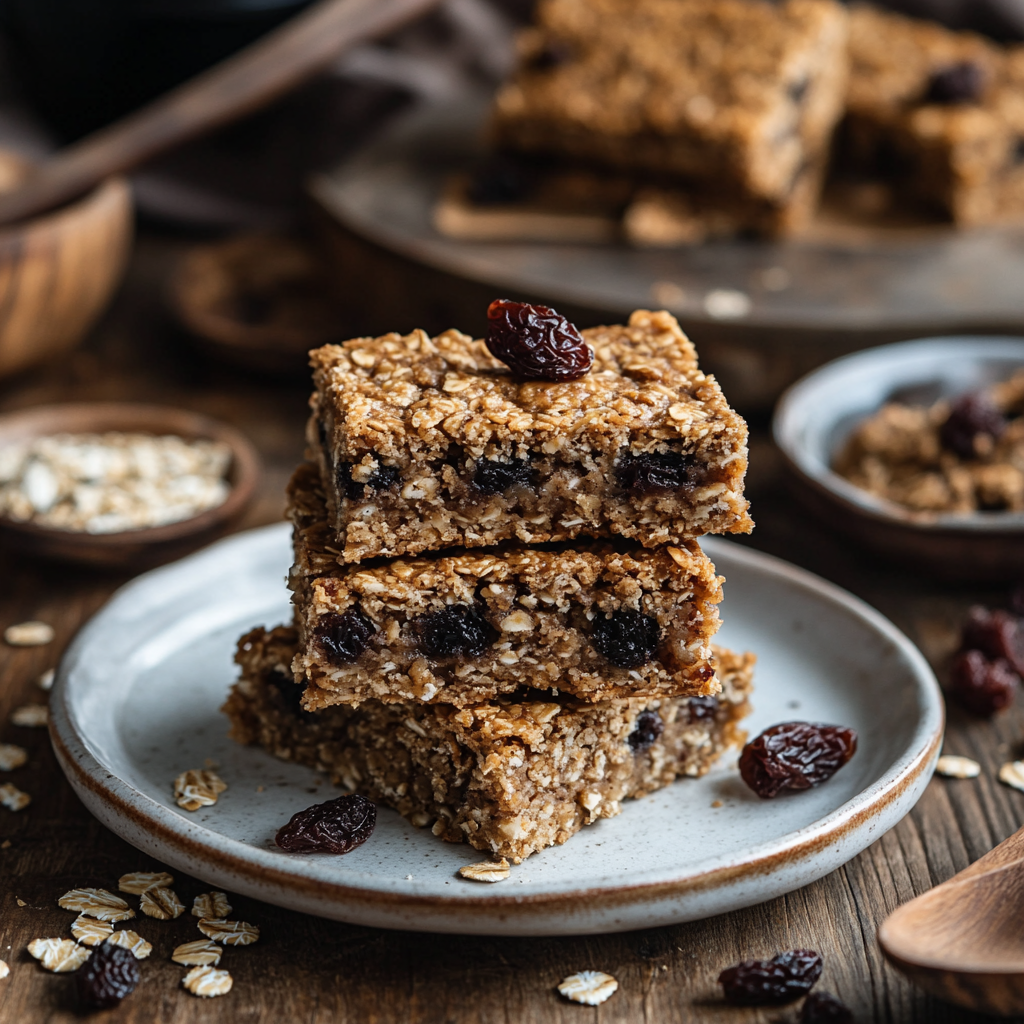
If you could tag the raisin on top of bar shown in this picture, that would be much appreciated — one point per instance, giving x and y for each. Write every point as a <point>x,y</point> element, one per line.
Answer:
<point>741,90</point>
<point>425,443</point>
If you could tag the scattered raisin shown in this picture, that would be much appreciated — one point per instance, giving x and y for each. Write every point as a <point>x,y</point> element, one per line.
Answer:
<point>971,416</point>
<point>963,82</point>
<point>493,477</point>
<point>336,826</point>
<point>996,634</point>
<point>457,630</point>
<point>795,755</point>
<point>343,637</point>
<point>501,179</point>
<point>821,1008</point>
<point>382,479</point>
<point>536,342</point>
<point>983,686</point>
<point>628,638</point>
<point>702,709</point>
<point>110,974</point>
<point>646,730</point>
<point>780,980</point>
<point>654,471</point>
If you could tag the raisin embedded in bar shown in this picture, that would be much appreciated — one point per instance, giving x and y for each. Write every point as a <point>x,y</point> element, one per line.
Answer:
<point>495,774</point>
<point>428,443</point>
<point>594,623</point>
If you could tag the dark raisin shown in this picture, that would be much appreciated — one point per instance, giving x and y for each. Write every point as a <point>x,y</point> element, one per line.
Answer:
<point>536,342</point>
<point>996,634</point>
<point>646,730</point>
<point>553,54</point>
<point>493,477</point>
<point>971,416</point>
<point>627,639</point>
<point>343,637</point>
<point>110,974</point>
<point>382,479</point>
<point>764,982</point>
<point>649,472</point>
<point>290,691</point>
<point>795,755</point>
<point>983,686</point>
<point>821,1008</point>
<point>702,709</point>
<point>963,82</point>
<point>457,630</point>
<point>501,179</point>
<point>336,826</point>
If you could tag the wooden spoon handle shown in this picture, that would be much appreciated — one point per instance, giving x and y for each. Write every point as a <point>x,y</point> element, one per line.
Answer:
<point>266,69</point>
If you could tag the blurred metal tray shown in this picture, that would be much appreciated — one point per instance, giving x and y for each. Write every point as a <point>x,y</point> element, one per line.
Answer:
<point>845,285</point>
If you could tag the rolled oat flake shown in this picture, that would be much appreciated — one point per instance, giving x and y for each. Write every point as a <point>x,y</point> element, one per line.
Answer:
<point>589,987</point>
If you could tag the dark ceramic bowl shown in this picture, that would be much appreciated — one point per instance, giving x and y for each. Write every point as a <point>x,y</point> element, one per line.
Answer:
<point>817,414</point>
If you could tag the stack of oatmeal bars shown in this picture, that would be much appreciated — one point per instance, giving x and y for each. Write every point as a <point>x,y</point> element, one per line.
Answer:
<point>502,616</point>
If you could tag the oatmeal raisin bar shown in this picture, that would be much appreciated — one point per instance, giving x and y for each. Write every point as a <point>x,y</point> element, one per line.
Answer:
<point>594,623</point>
<point>743,92</point>
<point>940,112</point>
<point>510,776</point>
<point>426,443</point>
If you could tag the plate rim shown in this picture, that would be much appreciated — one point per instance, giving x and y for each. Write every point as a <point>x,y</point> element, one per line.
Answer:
<point>168,831</point>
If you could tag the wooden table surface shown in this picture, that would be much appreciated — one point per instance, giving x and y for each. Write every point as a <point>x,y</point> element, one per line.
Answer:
<point>309,970</point>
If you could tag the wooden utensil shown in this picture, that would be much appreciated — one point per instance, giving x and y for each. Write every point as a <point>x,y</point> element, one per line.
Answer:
<point>963,940</point>
<point>268,68</point>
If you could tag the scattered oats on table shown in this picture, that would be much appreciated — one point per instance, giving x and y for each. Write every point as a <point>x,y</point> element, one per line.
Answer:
<point>29,634</point>
<point>133,941</point>
<point>89,931</point>
<point>31,716</point>
<point>45,681</point>
<point>13,798</point>
<point>200,953</point>
<point>211,905</point>
<point>12,757</point>
<point>197,788</point>
<point>1012,774</point>
<point>486,871</point>
<point>138,882</point>
<point>59,955</point>
<point>163,904</point>
<point>230,933</point>
<point>957,767</point>
<point>4,969</point>
<point>98,903</point>
<point>589,987</point>
<point>207,982</point>
<point>113,482</point>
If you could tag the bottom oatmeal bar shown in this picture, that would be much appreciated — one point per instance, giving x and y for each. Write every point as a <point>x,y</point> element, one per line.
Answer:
<point>510,776</point>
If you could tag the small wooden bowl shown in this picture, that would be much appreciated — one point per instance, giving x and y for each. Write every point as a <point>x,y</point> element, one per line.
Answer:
<point>816,415</point>
<point>260,301</point>
<point>132,548</point>
<point>58,271</point>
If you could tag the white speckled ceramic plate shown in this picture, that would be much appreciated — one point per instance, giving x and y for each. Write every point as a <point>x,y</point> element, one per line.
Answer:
<point>137,697</point>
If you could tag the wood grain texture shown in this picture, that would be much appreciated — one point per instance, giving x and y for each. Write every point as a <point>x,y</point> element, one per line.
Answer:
<point>321,972</point>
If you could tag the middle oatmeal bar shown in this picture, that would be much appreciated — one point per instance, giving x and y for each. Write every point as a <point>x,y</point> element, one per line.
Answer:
<point>427,443</point>
<point>594,623</point>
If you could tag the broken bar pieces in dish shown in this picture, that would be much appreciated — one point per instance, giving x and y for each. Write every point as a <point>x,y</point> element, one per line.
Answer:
<point>428,443</point>
<point>594,622</point>
<point>509,776</point>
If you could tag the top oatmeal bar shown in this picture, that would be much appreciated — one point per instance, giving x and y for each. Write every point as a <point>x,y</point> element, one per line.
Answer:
<point>739,91</point>
<point>427,443</point>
